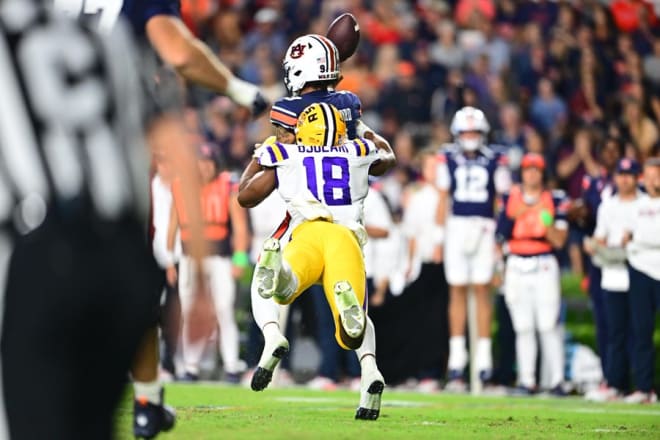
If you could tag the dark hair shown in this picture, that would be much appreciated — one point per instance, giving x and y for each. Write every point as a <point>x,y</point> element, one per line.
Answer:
<point>620,144</point>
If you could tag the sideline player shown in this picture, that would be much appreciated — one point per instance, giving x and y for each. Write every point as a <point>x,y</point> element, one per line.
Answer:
<point>469,176</point>
<point>324,182</point>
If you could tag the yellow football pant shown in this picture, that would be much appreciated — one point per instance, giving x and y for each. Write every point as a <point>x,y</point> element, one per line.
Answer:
<point>324,252</point>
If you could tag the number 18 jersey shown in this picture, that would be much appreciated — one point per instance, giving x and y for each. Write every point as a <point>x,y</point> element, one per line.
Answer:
<point>322,182</point>
<point>473,181</point>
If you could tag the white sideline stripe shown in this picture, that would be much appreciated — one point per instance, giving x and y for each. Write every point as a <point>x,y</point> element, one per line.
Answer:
<point>386,403</point>
<point>609,410</point>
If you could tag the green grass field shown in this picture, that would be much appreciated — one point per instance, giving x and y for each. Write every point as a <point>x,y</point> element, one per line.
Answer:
<point>225,412</point>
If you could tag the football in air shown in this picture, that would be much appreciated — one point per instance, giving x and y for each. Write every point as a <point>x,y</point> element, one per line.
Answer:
<point>344,31</point>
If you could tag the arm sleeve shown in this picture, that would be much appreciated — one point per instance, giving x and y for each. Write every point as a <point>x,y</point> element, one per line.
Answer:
<point>271,154</point>
<point>502,179</point>
<point>562,203</point>
<point>601,222</point>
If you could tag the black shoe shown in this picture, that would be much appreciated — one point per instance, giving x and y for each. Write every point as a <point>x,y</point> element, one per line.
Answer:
<point>149,419</point>
<point>558,391</point>
<point>522,391</point>
<point>259,105</point>
<point>189,377</point>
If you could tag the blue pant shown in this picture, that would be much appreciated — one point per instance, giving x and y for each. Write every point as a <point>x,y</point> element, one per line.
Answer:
<point>644,294</point>
<point>333,357</point>
<point>619,329</point>
<point>600,314</point>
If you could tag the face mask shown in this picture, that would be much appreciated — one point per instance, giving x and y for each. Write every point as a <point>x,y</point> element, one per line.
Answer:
<point>470,144</point>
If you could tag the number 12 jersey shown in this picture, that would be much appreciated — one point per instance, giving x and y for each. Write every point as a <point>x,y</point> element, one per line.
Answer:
<point>473,181</point>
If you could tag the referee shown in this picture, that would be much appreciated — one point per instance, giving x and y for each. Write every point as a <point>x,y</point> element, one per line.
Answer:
<point>78,282</point>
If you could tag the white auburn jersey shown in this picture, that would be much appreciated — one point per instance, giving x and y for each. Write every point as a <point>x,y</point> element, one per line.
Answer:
<point>320,182</point>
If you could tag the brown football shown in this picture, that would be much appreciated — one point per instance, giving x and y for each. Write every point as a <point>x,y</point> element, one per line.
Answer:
<point>344,31</point>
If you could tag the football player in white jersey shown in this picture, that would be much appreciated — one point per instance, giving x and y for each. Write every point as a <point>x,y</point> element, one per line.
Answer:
<point>469,176</point>
<point>323,181</point>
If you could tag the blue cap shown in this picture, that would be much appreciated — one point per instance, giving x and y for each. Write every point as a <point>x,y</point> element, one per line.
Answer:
<point>628,166</point>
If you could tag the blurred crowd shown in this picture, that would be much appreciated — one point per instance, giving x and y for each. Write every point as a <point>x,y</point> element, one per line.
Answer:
<point>577,82</point>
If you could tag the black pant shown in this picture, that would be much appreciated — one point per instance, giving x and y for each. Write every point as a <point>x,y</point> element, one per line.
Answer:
<point>412,333</point>
<point>618,318</point>
<point>78,300</point>
<point>644,293</point>
<point>170,326</point>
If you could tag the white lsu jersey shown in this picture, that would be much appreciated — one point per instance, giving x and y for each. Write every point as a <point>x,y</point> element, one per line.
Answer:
<point>321,182</point>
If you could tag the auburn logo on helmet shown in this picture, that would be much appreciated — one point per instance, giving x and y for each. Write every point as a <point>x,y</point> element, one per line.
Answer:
<point>297,51</point>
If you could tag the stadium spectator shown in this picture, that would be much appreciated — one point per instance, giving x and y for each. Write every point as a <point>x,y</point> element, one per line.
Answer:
<point>425,272</point>
<point>615,217</point>
<point>643,249</point>
<point>225,230</point>
<point>161,196</point>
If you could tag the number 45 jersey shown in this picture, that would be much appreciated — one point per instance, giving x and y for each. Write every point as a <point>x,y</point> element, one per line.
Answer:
<point>472,181</point>
<point>323,182</point>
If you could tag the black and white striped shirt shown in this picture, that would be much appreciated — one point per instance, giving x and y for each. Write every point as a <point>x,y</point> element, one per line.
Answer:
<point>71,139</point>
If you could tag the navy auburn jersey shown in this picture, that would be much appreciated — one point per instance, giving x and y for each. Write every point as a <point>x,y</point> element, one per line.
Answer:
<point>594,190</point>
<point>473,180</point>
<point>138,12</point>
<point>285,111</point>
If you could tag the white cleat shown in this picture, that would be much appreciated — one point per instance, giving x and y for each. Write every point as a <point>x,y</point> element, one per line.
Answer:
<point>352,317</point>
<point>371,391</point>
<point>267,270</point>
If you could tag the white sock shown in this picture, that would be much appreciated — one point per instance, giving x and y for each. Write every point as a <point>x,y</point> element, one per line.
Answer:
<point>263,310</point>
<point>242,92</point>
<point>483,357</point>
<point>526,352</point>
<point>271,331</point>
<point>148,390</point>
<point>553,355</point>
<point>457,353</point>
<point>367,351</point>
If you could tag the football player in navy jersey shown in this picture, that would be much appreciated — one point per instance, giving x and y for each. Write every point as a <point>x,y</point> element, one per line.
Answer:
<point>311,72</point>
<point>470,175</point>
<point>159,22</point>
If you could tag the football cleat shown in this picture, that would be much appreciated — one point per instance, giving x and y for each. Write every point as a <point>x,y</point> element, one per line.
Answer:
<point>267,270</point>
<point>274,352</point>
<point>149,418</point>
<point>522,391</point>
<point>371,391</point>
<point>455,382</point>
<point>352,317</point>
